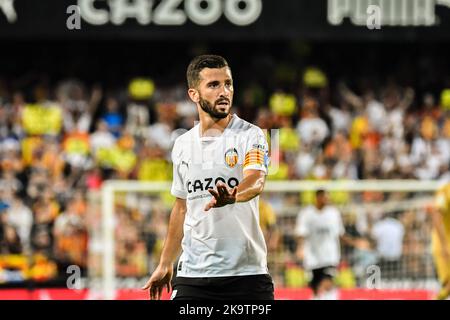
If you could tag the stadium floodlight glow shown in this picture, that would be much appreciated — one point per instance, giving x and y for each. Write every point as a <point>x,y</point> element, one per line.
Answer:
<point>111,186</point>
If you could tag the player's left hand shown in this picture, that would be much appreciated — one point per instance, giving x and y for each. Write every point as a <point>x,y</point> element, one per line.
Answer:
<point>222,196</point>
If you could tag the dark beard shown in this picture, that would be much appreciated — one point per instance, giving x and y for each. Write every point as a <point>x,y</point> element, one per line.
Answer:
<point>209,109</point>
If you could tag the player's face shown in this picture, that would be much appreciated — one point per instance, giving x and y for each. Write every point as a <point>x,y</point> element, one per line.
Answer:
<point>321,200</point>
<point>216,92</point>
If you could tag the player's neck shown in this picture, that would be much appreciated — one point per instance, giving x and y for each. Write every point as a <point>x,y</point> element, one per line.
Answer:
<point>320,207</point>
<point>211,127</point>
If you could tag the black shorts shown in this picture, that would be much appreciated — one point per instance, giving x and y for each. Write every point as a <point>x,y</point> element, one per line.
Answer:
<point>318,275</point>
<point>254,287</point>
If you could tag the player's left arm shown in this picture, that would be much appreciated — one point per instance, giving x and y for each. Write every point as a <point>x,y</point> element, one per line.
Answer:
<point>255,169</point>
<point>251,186</point>
<point>438,224</point>
<point>348,240</point>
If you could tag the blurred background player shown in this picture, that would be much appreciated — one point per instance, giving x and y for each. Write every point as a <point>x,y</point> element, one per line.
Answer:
<point>441,239</point>
<point>268,224</point>
<point>320,230</point>
<point>388,234</point>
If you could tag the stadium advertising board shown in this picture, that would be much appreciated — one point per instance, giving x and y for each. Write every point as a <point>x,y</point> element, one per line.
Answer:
<point>176,19</point>
<point>280,294</point>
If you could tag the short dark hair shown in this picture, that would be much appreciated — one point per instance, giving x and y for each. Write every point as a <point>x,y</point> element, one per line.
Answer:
<point>201,62</point>
<point>320,192</point>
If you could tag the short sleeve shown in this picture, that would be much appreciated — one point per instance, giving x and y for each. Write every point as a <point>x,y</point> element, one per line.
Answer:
<point>341,228</point>
<point>301,227</point>
<point>179,166</point>
<point>256,151</point>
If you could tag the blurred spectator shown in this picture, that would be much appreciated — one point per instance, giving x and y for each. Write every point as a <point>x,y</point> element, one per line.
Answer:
<point>20,217</point>
<point>42,241</point>
<point>52,160</point>
<point>78,112</point>
<point>361,254</point>
<point>138,119</point>
<point>11,123</point>
<point>70,236</point>
<point>77,150</point>
<point>10,183</point>
<point>305,161</point>
<point>46,209</point>
<point>388,234</point>
<point>152,165</point>
<point>311,128</point>
<point>340,117</point>
<point>113,117</point>
<point>3,218</point>
<point>11,160</point>
<point>131,252</point>
<point>60,139</point>
<point>160,133</point>
<point>101,138</point>
<point>94,179</point>
<point>10,243</point>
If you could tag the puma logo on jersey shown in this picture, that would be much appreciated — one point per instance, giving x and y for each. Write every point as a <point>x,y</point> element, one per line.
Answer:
<point>185,163</point>
<point>209,183</point>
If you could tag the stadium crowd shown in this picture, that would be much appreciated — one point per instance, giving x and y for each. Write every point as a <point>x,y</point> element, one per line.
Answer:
<point>59,142</point>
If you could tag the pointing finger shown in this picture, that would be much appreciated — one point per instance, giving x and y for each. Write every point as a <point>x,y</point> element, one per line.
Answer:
<point>158,293</point>
<point>222,191</point>
<point>214,193</point>
<point>211,204</point>
<point>152,293</point>
<point>219,184</point>
<point>147,285</point>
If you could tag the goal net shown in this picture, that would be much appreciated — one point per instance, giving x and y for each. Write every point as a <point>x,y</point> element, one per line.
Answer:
<point>389,221</point>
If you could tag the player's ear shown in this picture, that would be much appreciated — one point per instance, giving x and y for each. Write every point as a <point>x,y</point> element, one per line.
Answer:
<point>193,94</point>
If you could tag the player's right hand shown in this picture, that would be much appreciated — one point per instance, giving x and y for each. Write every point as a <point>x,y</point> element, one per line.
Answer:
<point>221,197</point>
<point>160,278</point>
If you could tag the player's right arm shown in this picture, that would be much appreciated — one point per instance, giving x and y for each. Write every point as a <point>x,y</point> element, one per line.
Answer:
<point>438,223</point>
<point>299,250</point>
<point>162,276</point>
<point>301,233</point>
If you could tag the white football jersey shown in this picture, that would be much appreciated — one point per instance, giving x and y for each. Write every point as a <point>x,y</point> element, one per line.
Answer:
<point>321,231</point>
<point>225,241</point>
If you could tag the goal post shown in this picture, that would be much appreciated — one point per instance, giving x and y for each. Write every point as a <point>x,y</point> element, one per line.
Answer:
<point>110,187</point>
